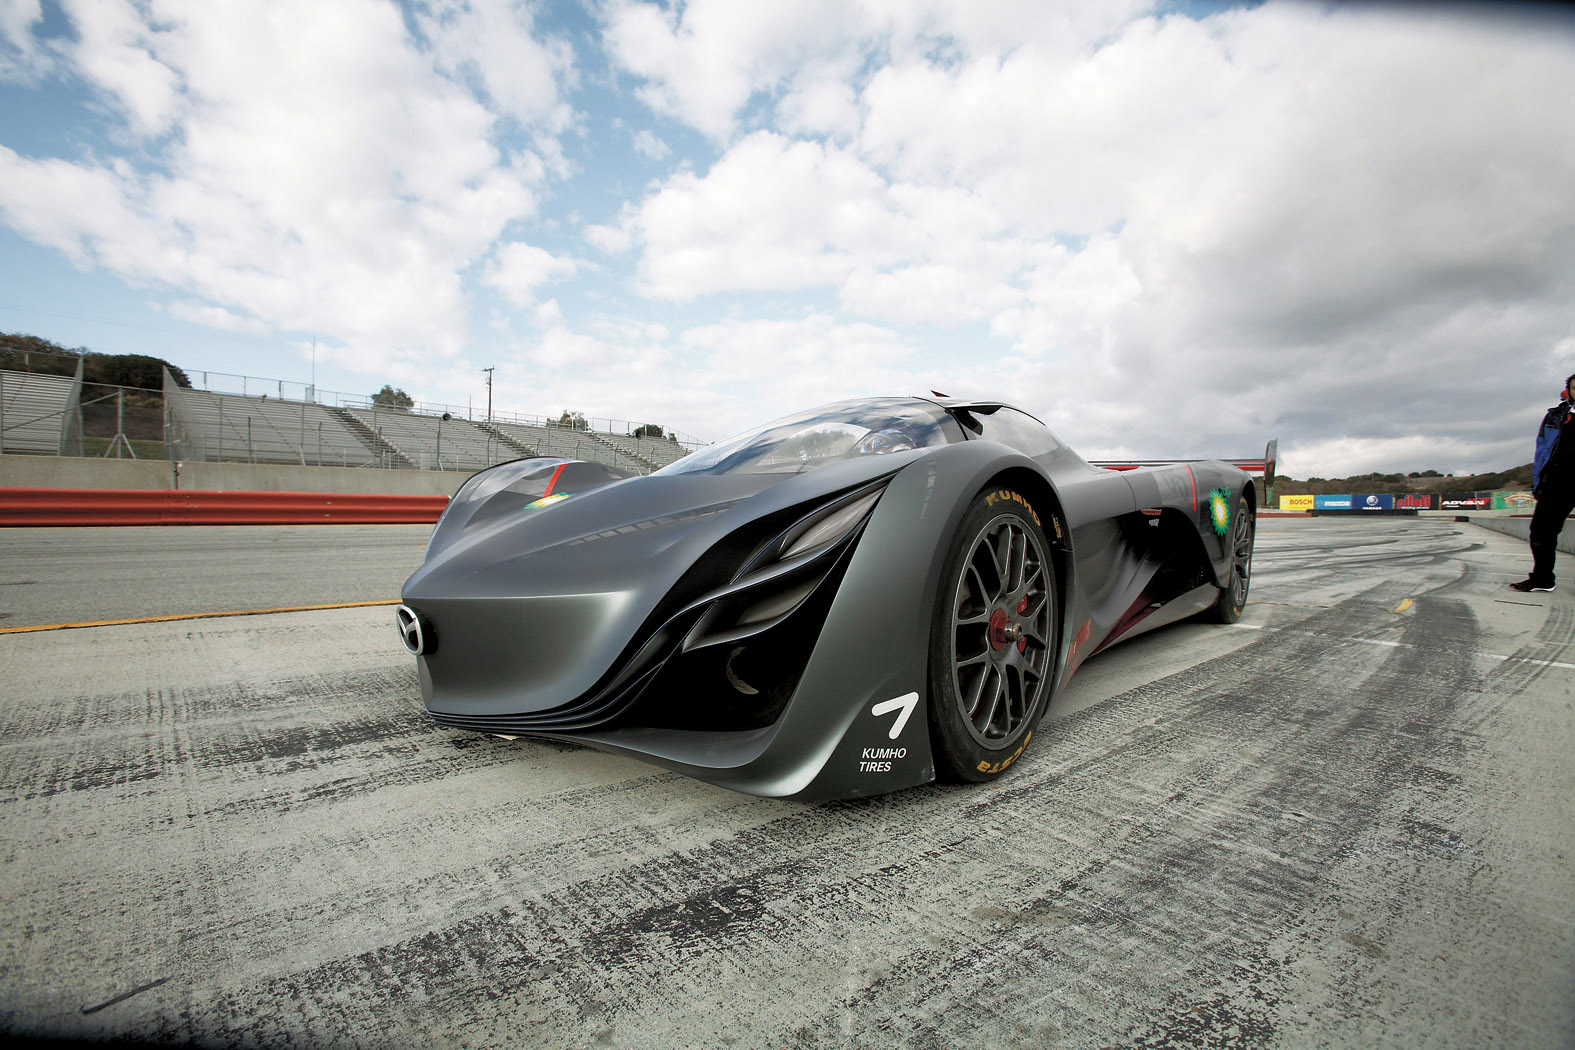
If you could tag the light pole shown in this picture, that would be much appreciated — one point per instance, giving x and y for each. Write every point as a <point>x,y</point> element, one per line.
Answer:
<point>489,392</point>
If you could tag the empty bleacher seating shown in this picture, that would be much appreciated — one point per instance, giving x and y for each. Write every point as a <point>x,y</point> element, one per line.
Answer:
<point>434,443</point>
<point>41,415</point>
<point>32,411</point>
<point>237,428</point>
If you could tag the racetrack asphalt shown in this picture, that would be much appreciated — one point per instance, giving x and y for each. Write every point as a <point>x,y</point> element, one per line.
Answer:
<point>1343,822</point>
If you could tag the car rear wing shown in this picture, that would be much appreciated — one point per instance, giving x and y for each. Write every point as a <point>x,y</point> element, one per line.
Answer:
<point>1261,465</point>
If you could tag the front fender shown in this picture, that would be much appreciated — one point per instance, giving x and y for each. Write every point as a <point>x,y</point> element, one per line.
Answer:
<point>872,653</point>
<point>874,649</point>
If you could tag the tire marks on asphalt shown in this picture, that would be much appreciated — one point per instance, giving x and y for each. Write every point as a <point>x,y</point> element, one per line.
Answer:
<point>1245,852</point>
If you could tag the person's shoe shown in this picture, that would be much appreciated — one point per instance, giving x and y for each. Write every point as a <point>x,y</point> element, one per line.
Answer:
<point>1529,584</point>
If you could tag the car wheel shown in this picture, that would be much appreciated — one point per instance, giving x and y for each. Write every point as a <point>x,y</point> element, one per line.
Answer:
<point>992,638</point>
<point>1233,598</point>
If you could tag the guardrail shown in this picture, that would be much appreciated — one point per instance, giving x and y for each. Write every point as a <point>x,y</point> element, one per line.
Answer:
<point>35,506</point>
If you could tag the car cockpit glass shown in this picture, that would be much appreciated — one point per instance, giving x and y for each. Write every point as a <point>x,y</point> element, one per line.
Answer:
<point>1013,429</point>
<point>844,430</point>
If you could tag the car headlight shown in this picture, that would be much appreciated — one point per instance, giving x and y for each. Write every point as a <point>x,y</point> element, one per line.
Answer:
<point>829,524</point>
<point>493,480</point>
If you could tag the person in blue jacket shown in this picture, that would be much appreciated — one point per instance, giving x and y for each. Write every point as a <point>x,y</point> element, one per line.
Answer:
<point>1553,485</point>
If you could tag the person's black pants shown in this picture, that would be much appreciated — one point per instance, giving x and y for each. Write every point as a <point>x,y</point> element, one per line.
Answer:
<point>1553,506</point>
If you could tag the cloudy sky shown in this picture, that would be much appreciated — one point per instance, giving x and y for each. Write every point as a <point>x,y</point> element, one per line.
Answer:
<point>1167,229</point>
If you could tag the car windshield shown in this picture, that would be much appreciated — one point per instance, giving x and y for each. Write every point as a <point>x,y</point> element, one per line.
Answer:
<point>806,440</point>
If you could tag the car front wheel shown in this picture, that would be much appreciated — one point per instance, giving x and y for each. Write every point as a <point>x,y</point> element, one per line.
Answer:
<point>992,642</point>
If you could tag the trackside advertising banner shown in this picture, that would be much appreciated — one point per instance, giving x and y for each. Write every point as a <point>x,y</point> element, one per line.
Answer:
<point>1466,501</point>
<point>1302,502</point>
<point>1372,501</point>
<point>1331,503</point>
<point>1513,501</point>
<point>1417,501</point>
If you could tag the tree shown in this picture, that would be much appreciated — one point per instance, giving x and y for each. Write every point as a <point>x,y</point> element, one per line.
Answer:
<point>31,353</point>
<point>573,420</point>
<point>134,370</point>
<point>393,397</point>
<point>648,430</point>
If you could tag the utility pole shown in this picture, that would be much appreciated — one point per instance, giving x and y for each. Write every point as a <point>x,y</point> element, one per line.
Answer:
<point>489,392</point>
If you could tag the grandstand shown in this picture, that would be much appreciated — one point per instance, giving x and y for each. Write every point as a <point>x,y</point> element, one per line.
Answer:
<point>36,412</point>
<point>43,414</point>
<point>237,428</point>
<point>207,425</point>
<point>436,443</point>
<point>593,446</point>
<point>658,452</point>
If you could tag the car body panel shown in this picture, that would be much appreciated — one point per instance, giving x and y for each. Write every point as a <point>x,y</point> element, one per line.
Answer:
<point>701,621</point>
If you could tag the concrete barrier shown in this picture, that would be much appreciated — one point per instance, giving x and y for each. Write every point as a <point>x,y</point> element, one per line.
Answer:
<point>1520,528</point>
<point>53,506</point>
<point>69,472</point>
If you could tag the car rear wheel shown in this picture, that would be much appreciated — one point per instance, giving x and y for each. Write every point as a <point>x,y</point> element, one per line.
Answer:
<point>992,639</point>
<point>1233,597</point>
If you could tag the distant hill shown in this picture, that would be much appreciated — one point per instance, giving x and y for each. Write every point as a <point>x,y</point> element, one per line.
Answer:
<point>1399,484</point>
<point>31,353</point>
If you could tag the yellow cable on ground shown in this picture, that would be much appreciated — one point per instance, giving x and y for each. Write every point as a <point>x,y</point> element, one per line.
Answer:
<point>190,616</point>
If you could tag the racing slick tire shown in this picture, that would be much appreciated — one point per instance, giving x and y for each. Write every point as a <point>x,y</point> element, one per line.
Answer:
<point>1233,598</point>
<point>992,638</point>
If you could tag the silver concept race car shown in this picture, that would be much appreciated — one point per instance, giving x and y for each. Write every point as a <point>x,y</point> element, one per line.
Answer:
<point>843,602</point>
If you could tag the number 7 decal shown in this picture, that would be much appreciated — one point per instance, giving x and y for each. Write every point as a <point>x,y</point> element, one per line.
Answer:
<point>905,703</point>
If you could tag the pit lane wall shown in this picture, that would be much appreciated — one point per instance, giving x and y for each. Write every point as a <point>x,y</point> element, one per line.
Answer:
<point>67,472</point>
<point>63,491</point>
<point>1520,528</point>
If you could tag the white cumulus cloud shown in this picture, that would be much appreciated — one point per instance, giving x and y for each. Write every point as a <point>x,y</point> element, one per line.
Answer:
<point>313,171</point>
<point>520,269</point>
<point>1286,218</point>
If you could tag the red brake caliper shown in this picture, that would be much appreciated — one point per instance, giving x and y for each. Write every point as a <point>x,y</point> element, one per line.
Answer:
<point>998,630</point>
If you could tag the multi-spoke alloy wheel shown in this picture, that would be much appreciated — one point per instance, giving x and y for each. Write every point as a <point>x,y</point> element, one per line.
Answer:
<point>993,644</point>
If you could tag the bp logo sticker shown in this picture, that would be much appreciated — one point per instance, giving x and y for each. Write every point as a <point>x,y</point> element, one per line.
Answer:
<point>1219,510</point>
